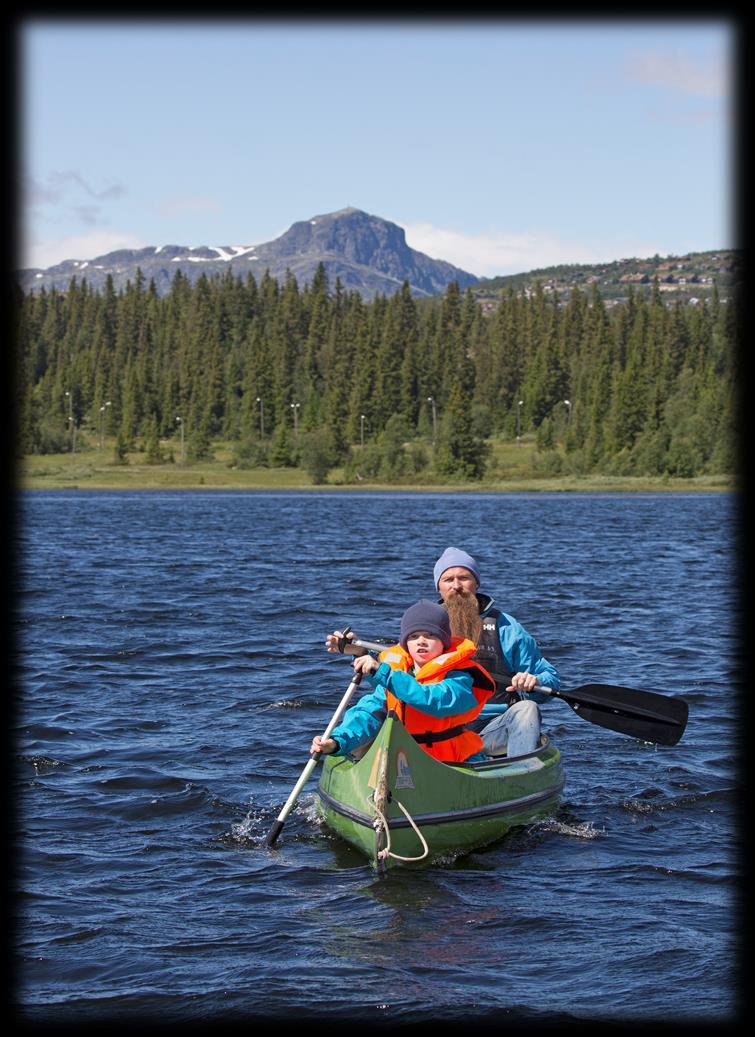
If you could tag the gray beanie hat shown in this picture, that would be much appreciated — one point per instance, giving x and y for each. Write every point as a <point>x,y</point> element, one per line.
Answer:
<point>427,616</point>
<point>451,557</point>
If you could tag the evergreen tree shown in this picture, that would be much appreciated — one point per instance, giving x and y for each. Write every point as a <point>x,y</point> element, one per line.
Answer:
<point>121,449</point>
<point>199,439</point>
<point>461,453</point>
<point>281,453</point>
<point>153,453</point>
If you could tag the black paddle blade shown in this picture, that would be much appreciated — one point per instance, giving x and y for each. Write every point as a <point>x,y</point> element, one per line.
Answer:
<point>643,714</point>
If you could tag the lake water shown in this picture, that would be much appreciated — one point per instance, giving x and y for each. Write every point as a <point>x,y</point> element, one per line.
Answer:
<point>172,675</point>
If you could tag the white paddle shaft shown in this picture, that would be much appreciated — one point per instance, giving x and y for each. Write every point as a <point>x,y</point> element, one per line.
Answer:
<point>316,756</point>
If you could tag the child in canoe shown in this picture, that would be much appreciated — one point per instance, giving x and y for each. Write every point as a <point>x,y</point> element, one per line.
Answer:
<point>431,683</point>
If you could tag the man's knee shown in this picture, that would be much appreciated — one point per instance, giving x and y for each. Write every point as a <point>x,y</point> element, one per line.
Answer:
<point>526,711</point>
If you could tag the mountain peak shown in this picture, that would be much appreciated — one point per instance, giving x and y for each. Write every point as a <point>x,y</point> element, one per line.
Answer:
<point>348,211</point>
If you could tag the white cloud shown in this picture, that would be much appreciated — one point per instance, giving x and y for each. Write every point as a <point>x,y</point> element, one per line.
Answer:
<point>62,183</point>
<point>680,72</point>
<point>498,252</point>
<point>38,253</point>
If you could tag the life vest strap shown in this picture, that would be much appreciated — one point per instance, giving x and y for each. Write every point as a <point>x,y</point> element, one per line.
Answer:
<point>431,737</point>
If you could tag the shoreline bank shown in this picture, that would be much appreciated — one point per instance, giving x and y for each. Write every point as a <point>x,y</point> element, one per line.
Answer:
<point>66,472</point>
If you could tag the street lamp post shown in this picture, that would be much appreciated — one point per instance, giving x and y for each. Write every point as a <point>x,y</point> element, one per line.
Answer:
<point>181,426</point>
<point>361,430</point>
<point>295,409</point>
<point>568,411</point>
<point>70,421</point>
<point>102,423</point>
<point>518,421</point>
<point>262,417</point>
<point>431,400</point>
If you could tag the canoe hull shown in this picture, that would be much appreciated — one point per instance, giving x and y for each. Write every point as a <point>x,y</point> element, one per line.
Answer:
<point>399,806</point>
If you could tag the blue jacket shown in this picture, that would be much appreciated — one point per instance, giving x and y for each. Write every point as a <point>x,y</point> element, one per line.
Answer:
<point>520,649</point>
<point>363,720</point>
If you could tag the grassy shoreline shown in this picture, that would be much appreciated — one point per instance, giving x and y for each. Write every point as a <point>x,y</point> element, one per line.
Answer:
<point>92,469</point>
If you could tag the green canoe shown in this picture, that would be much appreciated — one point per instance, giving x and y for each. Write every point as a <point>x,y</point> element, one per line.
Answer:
<point>399,806</point>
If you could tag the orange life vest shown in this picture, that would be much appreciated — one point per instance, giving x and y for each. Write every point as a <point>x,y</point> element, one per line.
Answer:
<point>444,738</point>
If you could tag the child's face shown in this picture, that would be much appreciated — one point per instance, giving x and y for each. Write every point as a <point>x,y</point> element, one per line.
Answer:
<point>423,647</point>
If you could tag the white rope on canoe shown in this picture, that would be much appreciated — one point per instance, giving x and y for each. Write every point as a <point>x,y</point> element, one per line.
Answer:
<point>380,821</point>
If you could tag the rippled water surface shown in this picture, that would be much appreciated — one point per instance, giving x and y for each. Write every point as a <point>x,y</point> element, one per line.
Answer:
<point>172,676</point>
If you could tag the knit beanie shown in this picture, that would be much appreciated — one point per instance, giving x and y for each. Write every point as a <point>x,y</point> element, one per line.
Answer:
<point>427,616</point>
<point>451,557</point>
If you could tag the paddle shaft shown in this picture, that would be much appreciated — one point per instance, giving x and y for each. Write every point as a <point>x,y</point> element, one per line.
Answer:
<point>495,708</point>
<point>275,831</point>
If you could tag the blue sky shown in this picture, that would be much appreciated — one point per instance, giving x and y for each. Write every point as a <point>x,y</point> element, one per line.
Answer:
<point>499,145</point>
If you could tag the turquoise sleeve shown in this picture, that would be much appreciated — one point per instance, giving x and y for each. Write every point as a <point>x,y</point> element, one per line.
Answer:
<point>523,655</point>
<point>444,698</point>
<point>362,722</point>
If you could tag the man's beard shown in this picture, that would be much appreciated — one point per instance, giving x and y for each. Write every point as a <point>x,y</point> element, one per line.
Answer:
<point>464,615</point>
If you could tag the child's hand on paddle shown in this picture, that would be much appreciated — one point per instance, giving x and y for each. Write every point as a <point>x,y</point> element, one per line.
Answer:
<point>324,746</point>
<point>365,664</point>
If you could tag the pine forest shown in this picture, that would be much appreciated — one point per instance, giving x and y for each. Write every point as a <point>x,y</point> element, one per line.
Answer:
<point>397,388</point>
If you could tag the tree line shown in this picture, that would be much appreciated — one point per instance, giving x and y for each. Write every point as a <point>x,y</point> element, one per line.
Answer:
<point>316,376</point>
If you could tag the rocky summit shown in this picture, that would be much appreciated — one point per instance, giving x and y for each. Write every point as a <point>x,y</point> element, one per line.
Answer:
<point>368,254</point>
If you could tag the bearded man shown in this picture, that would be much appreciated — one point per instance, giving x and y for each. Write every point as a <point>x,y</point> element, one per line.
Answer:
<point>507,651</point>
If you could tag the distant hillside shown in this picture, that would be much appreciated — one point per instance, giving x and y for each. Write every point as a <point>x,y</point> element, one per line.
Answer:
<point>684,277</point>
<point>368,254</point>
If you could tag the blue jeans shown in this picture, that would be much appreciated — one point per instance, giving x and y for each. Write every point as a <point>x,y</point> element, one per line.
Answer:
<point>515,732</point>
